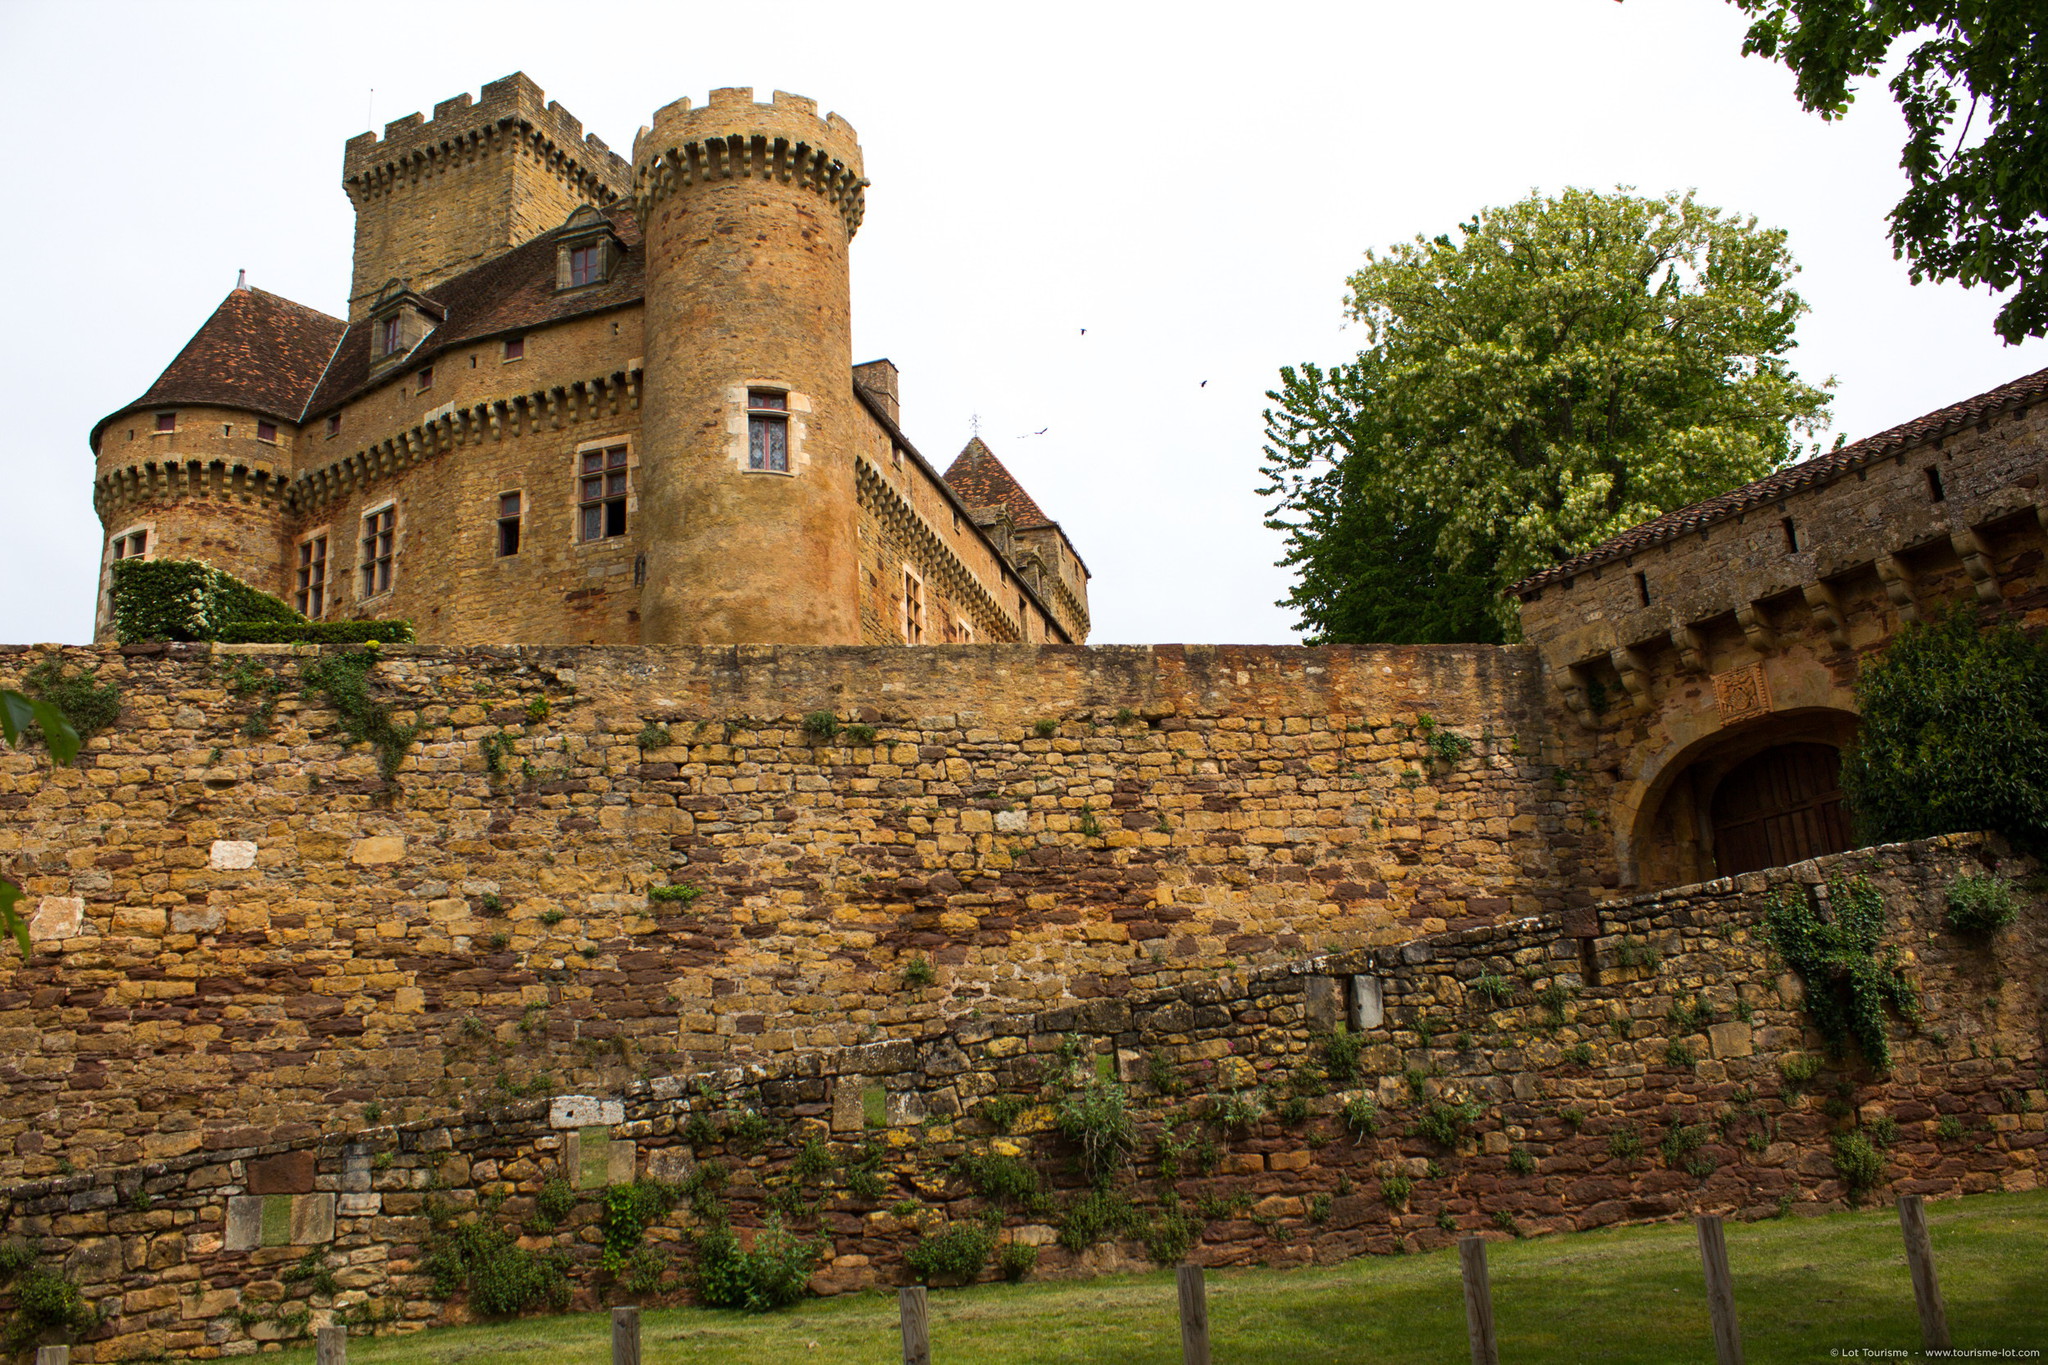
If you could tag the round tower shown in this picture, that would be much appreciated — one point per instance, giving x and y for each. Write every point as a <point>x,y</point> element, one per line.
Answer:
<point>748,417</point>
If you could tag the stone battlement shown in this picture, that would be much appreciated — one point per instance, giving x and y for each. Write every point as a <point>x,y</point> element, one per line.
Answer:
<point>458,122</point>
<point>734,109</point>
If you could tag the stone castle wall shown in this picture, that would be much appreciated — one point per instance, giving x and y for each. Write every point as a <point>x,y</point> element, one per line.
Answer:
<point>246,934</point>
<point>1652,1060</point>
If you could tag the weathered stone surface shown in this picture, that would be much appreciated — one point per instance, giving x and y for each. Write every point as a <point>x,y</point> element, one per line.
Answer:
<point>56,917</point>
<point>231,855</point>
<point>285,1173</point>
<point>579,1111</point>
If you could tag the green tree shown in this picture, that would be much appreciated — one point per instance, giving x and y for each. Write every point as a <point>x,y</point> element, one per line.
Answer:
<point>18,713</point>
<point>1562,369</point>
<point>1954,735</point>
<point>1975,211</point>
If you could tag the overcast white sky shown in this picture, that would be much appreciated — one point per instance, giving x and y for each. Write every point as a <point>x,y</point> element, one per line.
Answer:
<point>1191,183</point>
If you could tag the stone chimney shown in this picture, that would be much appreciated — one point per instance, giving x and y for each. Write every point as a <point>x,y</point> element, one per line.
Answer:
<point>877,379</point>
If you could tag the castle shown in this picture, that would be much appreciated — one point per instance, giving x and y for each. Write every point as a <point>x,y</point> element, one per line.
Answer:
<point>577,401</point>
<point>596,912</point>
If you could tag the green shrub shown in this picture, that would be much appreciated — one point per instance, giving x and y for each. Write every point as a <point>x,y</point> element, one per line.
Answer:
<point>918,972</point>
<point>1520,1162</point>
<point>1002,1110</point>
<point>553,1205</point>
<point>1579,1054</point>
<point>1444,1123</point>
<point>503,1278</point>
<point>1045,729</point>
<point>678,893</point>
<point>1237,1109</point>
<point>820,724</point>
<point>957,1252</point>
<point>864,1178</point>
<point>1677,1054</point>
<point>1858,1161</point>
<point>1682,1141</point>
<point>1798,1069</point>
<point>1002,1179</point>
<point>45,1300</point>
<point>629,1210</point>
<point>859,734</point>
<point>1849,981</point>
<point>776,1273</point>
<point>1493,987</point>
<point>1362,1117</point>
<point>1633,952</point>
<point>1170,1235</point>
<point>653,736</point>
<point>386,632</point>
<point>1341,1049</point>
<point>1624,1144</point>
<point>1948,1128</point>
<point>312,1271</point>
<point>1505,1221</point>
<point>183,599</point>
<point>1098,1120</point>
<point>1954,734</point>
<point>1159,1069</point>
<point>1091,1216</point>
<point>1292,1110</point>
<point>1395,1189</point>
<point>1016,1260</point>
<point>1981,904</point>
<point>87,703</point>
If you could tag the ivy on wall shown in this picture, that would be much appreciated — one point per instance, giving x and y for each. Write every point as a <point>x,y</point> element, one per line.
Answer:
<point>1851,977</point>
<point>183,600</point>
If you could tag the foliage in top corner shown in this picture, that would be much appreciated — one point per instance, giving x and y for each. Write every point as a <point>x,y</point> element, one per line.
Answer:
<point>183,599</point>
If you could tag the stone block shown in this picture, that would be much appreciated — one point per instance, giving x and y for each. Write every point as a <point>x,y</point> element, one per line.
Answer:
<point>1731,1039</point>
<point>285,1173</point>
<point>1013,821</point>
<point>245,1223</point>
<point>57,917</point>
<point>1323,998</point>
<point>277,1219</point>
<point>312,1219</point>
<point>1368,1008</point>
<point>671,1165</point>
<point>377,849</point>
<point>231,855</point>
<point>582,1111</point>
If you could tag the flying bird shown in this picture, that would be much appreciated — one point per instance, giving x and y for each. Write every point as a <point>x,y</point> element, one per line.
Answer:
<point>1203,385</point>
<point>1084,331</point>
<point>1040,432</point>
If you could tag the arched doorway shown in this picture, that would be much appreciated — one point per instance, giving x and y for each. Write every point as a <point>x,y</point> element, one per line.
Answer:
<point>1760,794</point>
<point>1781,806</point>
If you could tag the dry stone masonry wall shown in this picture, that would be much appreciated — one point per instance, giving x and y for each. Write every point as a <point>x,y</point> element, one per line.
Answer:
<point>1641,1059</point>
<point>247,934</point>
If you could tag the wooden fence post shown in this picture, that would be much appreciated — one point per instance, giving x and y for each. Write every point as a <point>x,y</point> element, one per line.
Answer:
<point>1478,1301</point>
<point>1194,1316</point>
<point>1926,1284</point>
<point>625,1336</point>
<point>917,1342</point>
<point>1720,1291</point>
<point>53,1355</point>
<point>331,1346</point>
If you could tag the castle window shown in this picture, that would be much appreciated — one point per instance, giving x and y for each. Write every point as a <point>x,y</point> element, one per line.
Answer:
<point>334,425</point>
<point>132,545</point>
<point>601,494</point>
<point>1643,589</point>
<point>586,264</point>
<point>508,524</point>
<point>913,607</point>
<point>266,431</point>
<point>424,380</point>
<point>1935,492</point>
<point>167,421</point>
<point>1791,536</point>
<point>380,538</point>
<point>312,579</point>
<point>515,349</point>
<point>390,335</point>
<point>768,430</point>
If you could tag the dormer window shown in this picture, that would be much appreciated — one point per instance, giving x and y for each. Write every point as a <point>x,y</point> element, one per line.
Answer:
<point>390,335</point>
<point>586,250</point>
<point>399,321</point>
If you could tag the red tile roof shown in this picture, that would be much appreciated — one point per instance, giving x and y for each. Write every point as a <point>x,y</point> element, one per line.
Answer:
<point>258,352</point>
<point>1810,474</point>
<point>981,481</point>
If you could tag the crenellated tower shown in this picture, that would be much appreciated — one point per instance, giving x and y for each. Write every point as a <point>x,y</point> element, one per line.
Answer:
<point>434,197</point>
<point>748,424</point>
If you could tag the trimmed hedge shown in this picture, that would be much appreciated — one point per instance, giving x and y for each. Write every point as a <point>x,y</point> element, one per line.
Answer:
<point>316,633</point>
<point>183,599</point>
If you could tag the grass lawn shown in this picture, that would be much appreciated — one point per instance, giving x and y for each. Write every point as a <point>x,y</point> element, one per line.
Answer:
<point>1803,1287</point>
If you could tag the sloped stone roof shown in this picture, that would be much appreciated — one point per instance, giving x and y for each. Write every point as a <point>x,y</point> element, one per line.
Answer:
<point>1796,478</point>
<point>982,480</point>
<point>258,351</point>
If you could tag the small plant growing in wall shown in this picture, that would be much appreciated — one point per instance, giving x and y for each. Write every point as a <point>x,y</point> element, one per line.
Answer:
<point>1445,1123</point>
<point>653,736</point>
<point>956,1253</point>
<point>820,725</point>
<point>1624,1144</point>
<point>1632,952</point>
<point>1341,1050</point>
<point>1395,1189</point>
<point>1045,729</point>
<point>1858,1161</point>
<point>1851,978</point>
<point>1098,1120</point>
<point>918,972</point>
<point>1361,1116</point>
<point>1089,826</point>
<point>1493,988</point>
<point>678,893</point>
<point>1981,904</point>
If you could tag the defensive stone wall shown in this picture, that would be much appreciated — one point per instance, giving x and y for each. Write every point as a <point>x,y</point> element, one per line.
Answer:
<point>247,934</point>
<point>1643,1059</point>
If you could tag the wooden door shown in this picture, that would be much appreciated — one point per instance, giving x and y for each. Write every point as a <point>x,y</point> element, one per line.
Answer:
<point>1783,806</point>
